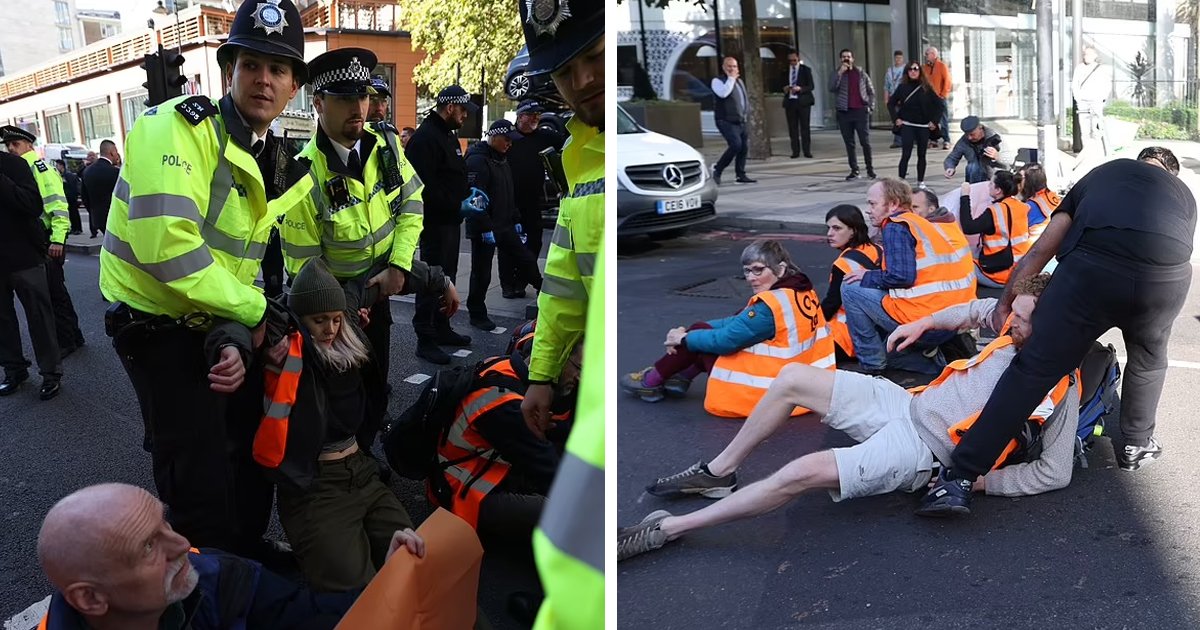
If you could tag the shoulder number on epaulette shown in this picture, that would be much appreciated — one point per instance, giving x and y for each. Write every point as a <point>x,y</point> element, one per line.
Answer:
<point>41,166</point>
<point>383,125</point>
<point>196,109</point>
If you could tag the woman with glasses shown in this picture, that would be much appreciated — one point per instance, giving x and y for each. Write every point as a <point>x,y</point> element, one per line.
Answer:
<point>915,109</point>
<point>847,232</point>
<point>742,354</point>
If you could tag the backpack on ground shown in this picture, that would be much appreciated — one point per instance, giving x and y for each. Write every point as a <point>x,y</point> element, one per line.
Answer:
<point>411,441</point>
<point>1101,376</point>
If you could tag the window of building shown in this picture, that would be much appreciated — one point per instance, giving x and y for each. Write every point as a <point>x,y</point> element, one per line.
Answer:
<point>302,102</point>
<point>62,13</point>
<point>66,41</point>
<point>108,30</point>
<point>132,106</point>
<point>58,128</point>
<point>1,65</point>
<point>97,123</point>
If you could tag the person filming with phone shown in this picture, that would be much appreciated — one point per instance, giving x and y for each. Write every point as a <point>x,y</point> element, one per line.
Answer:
<point>981,147</point>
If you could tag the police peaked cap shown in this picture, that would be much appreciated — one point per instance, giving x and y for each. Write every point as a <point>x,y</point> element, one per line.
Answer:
<point>558,30</point>
<point>529,106</point>
<point>270,27</point>
<point>380,85</point>
<point>501,127</point>
<point>13,132</point>
<point>455,95</point>
<point>342,72</point>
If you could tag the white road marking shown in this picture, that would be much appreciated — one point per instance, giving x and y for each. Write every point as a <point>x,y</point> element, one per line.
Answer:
<point>418,378</point>
<point>461,353</point>
<point>30,617</point>
<point>499,330</point>
<point>1191,365</point>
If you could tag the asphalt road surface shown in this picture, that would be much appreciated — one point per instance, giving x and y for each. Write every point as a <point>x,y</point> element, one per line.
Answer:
<point>1113,550</point>
<point>92,433</point>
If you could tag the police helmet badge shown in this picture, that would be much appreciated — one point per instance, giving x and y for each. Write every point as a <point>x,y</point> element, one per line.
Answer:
<point>547,15</point>
<point>269,17</point>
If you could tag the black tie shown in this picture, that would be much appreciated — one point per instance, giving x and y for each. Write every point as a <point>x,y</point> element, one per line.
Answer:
<point>257,148</point>
<point>353,164</point>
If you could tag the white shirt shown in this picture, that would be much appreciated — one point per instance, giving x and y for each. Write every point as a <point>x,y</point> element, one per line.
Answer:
<point>1091,83</point>
<point>344,152</point>
<point>723,88</point>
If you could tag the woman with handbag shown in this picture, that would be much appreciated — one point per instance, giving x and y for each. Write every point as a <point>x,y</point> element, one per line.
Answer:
<point>915,109</point>
<point>1003,229</point>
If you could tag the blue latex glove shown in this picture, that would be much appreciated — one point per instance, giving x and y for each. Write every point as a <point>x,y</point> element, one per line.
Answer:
<point>489,238</point>
<point>468,206</point>
<point>521,233</point>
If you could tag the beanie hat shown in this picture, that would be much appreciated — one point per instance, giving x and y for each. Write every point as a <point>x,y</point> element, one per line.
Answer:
<point>315,290</point>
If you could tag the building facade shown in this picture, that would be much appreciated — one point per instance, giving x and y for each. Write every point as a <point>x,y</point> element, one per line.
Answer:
<point>40,29</point>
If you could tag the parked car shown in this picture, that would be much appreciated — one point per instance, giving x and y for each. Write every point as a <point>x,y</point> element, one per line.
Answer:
<point>663,184</point>
<point>518,87</point>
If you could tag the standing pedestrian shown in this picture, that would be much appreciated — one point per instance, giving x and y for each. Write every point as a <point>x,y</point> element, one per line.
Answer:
<point>1091,85</point>
<point>854,102</point>
<point>938,74</point>
<point>99,182</point>
<point>190,223</point>
<point>377,110</point>
<point>22,274</point>
<point>406,135</point>
<point>730,109</point>
<point>56,223</point>
<point>892,80</point>
<point>1123,239</point>
<point>71,188</point>
<point>529,187</point>
<point>437,156</point>
<point>798,100</point>
<point>914,108</point>
<point>500,227</point>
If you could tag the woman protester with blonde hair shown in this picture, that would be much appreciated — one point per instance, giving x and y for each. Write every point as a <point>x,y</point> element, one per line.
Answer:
<point>781,324</point>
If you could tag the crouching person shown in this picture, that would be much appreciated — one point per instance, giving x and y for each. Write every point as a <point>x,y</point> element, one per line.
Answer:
<point>114,562</point>
<point>900,433</point>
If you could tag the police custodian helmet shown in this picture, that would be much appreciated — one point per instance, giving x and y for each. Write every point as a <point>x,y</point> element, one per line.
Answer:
<point>270,27</point>
<point>558,30</point>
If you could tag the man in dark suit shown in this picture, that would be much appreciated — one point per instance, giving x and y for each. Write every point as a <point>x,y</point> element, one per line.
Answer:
<point>798,100</point>
<point>99,180</point>
<point>71,188</point>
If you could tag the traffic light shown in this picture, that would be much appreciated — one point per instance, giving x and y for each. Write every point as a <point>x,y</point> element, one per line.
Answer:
<point>156,89</point>
<point>174,81</point>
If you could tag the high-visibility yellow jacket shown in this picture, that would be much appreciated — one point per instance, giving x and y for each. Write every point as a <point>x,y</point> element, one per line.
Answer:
<point>569,542</point>
<point>50,185</point>
<point>190,220</point>
<point>355,222</point>
<point>572,257</point>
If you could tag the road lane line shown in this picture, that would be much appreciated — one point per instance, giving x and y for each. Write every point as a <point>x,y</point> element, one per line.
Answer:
<point>30,617</point>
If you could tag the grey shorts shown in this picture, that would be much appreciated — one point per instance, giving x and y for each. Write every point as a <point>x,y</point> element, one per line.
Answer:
<point>890,455</point>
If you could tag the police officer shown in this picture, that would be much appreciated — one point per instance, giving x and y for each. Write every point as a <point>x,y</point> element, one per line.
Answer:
<point>203,185</point>
<point>435,153</point>
<point>57,221</point>
<point>378,109</point>
<point>365,237</point>
<point>567,42</point>
<point>529,187</point>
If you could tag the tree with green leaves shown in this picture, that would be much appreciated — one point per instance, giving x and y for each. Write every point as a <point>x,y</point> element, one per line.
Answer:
<point>463,39</point>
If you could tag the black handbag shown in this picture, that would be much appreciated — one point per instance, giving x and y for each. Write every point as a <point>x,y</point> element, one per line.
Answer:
<point>1003,259</point>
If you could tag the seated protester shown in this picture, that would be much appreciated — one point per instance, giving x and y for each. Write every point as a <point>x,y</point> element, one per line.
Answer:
<point>900,433</point>
<point>1003,227</point>
<point>847,233</point>
<point>925,205</point>
<point>497,473</point>
<point>922,273</point>
<point>338,515</point>
<point>114,562</point>
<point>781,324</point>
<point>981,147</point>
<point>1041,200</point>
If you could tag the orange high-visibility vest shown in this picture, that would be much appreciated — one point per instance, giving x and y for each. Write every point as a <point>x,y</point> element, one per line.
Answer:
<point>1047,201</point>
<point>944,277</point>
<point>998,240</point>
<point>837,328</point>
<point>739,380</point>
<point>472,466</point>
<point>1040,414</point>
<point>280,385</point>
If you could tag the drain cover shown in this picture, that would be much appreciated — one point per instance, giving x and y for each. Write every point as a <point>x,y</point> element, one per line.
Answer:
<point>714,288</point>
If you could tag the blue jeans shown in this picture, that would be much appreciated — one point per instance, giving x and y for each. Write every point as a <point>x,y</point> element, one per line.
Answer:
<point>870,326</point>
<point>976,173</point>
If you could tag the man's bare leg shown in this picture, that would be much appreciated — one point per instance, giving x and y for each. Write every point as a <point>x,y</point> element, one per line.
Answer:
<point>798,385</point>
<point>815,470</point>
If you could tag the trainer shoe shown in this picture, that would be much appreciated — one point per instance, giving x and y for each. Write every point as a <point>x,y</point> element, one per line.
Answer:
<point>694,480</point>
<point>635,383</point>
<point>645,536</point>
<point>677,385</point>
<point>1134,457</point>
<point>947,497</point>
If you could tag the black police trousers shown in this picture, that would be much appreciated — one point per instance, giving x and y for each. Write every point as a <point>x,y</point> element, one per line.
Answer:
<point>510,271</point>
<point>375,373</point>
<point>66,322</point>
<point>200,440</point>
<point>509,242</point>
<point>1090,293</point>
<point>439,246</point>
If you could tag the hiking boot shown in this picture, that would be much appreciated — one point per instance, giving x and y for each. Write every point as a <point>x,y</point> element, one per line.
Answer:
<point>643,537</point>
<point>1134,457</point>
<point>428,349</point>
<point>635,383</point>
<point>870,173</point>
<point>947,497</point>
<point>677,385</point>
<point>852,176</point>
<point>12,381</point>
<point>694,480</point>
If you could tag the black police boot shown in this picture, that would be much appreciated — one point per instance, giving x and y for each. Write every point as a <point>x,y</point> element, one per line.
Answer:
<point>483,322</point>
<point>428,349</point>
<point>13,380</point>
<point>50,388</point>
<point>448,337</point>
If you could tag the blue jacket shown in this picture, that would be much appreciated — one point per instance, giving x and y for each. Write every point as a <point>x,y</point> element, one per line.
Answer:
<point>750,326</point>
<point>233,593</point>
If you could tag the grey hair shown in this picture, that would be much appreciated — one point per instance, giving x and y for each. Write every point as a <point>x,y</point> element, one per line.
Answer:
<point>771,254</point>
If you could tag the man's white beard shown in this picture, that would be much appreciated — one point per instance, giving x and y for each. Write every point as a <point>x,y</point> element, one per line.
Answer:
<point>189,585</point>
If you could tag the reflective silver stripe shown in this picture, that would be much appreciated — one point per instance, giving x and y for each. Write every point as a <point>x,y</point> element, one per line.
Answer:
<point>792,350</point>
<point>255,251</point>
<point>410,187</point>
<point>562,237</point>
<point>122,190</point>
<point>841,316</point>
<point>383,232</point>
<point>464,476</point>
<point>930,258</point>
<point>318,197</point>
<point>413,207</point>
<point>61,213</point>
<point>237,248</point>
<point>740,378</point>
<point>165,271</point>
<point>455,434</point>
<point>826,361</point>
<point>301,251</point>
<point>222,179</point>
<point>54,198</point>
<point>476,406</point>
<point>586,263</point>
<point>164,205</point>
<point>344,269</point>
<point>278,409</point>
<point>854,266</point>
<point>1020,239</point>
<point>573,518</point>
<point>563,288</point>
<point>933,287</point>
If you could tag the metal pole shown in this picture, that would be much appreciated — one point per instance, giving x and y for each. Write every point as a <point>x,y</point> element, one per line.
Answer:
<point>717,24</point>
<point>1047,130</point>
<point>916,28</point>
<point>795,28</point>
<point>1076,56</point>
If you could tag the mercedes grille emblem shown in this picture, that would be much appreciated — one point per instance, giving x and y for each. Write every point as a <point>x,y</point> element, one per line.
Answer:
<point>672,176</point>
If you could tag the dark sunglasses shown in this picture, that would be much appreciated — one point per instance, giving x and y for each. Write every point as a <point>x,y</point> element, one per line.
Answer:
<point>915,69</point>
